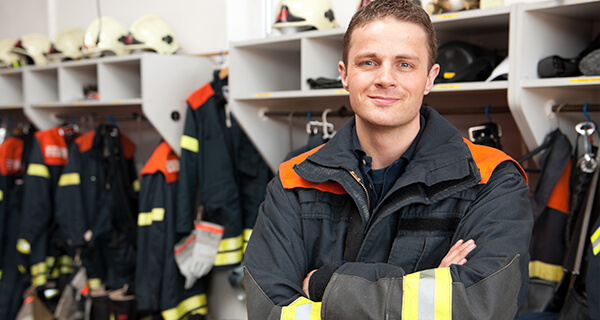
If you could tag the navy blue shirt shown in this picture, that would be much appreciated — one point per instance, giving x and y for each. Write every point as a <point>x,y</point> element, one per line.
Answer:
<point>380,181</point>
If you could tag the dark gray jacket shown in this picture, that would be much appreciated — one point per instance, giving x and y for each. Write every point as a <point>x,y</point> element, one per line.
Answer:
<point>450,190</point>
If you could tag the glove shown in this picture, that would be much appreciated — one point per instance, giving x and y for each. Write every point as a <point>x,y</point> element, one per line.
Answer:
<point>195,254</point>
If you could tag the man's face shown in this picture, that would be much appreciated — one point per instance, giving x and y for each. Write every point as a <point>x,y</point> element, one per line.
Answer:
<point>387,73</point>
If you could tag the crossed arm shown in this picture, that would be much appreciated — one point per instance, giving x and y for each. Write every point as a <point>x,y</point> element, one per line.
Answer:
<point>456,255</point>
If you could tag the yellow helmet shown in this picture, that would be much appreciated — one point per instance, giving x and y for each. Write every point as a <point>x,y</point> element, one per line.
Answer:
<point>68,43</point>
<point>34,46</point>
<point>154,33</point>
<point>105,34</point>
<point>301,15</point>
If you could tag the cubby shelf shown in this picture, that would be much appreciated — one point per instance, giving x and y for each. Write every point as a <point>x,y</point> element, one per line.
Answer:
<point>270,74</point>
<point>148,83</point>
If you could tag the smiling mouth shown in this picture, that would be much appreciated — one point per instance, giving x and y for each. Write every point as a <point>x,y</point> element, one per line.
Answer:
<point>383,100</point>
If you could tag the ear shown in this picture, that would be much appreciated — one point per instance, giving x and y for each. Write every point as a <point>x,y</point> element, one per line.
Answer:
<point>344,73</point>
<point>433,73</point>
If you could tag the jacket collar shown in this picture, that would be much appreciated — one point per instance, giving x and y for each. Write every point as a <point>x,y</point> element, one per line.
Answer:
<point>440,156</point>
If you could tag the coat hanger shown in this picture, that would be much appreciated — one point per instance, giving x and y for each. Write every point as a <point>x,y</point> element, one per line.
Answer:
<point>328,128</point>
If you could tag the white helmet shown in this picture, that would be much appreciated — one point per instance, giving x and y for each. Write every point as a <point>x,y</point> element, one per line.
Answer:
<point>105,34</point>
<point>301,15</point>
<point>34,46</point>
<point>154,33</point>
<point>68,43</point>
<point>455,5</point>
<point>7,56</point>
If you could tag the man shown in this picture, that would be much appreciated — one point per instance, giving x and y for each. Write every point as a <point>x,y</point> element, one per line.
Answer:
<point>363,227</point>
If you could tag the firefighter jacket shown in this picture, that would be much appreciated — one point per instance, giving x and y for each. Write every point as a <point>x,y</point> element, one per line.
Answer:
<point>40,242</point>
<point>550,207</point>
<point>11,191</point>
<point>158,283</point>
<point>97,205</point>
<point>451,190</point>
<point>222,173</point>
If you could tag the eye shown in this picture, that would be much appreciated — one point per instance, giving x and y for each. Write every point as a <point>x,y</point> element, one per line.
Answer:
<point>405,65</point>
<point>367,63</point>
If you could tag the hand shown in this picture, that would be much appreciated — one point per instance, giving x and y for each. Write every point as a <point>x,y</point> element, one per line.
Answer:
<point>305,283</point>
<point>458,253</point>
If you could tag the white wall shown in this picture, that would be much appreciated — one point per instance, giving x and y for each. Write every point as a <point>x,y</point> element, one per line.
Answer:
<point>201,26</point>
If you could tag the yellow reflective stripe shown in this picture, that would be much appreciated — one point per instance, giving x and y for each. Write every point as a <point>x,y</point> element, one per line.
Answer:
<point>144,219</point>
<point>227,258</point>
<point>66,270</point>
<point>55,273</point>
<point>427,295</point>
<point>69,179</point>
<point>136,185</point>
<point>50,260</point>
<point>202,311</point>
<point>23,246</point>
<point>1,195</point>
<point>231,244</point>
<point>410,297</point>
<point>443,293</point>
<point>94,283</point>
<point>189,143</point>
<point>39,280</point>
<point>302,309</point>
<point>40,170</point>
<point>596,241</point>
<point>0,274</point>
<point>545,271</point>
<point>22,269</point>
<point>188,305</point>
<point>39,268</point>
<point>158,214</point>
<point>247,234</point>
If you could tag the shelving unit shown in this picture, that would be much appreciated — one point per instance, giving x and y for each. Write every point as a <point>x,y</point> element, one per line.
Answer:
<point>270,74</point>
<point>563,29</point>
<point>153,85</point>
<point>11,89</point>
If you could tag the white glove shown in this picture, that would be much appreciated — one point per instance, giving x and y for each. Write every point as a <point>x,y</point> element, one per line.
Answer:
<point>195,254</point>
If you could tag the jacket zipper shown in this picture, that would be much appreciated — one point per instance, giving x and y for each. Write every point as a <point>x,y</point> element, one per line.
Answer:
<point>355,176</point>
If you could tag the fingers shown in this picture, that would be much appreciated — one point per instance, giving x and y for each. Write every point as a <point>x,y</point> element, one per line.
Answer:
<point>305,283</point>
<point>458,253</point>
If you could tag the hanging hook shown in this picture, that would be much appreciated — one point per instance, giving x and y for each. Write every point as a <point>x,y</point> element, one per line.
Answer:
<point>585,112</point>
<point>487,113</point>
<point>328,128</point>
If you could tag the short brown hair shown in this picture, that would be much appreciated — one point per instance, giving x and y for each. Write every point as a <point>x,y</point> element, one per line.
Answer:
<point>403,10</point>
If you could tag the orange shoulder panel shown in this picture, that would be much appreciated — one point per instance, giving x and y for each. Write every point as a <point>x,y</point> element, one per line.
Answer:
<point>560,196</point>
<point>128,147</point>
<point>200,96</point>
<point>85,141</point>
<point>290,179</point>
<point>165,160</point>
<point>53,147</point>
<point>488,158</point>
<point>11,151</point>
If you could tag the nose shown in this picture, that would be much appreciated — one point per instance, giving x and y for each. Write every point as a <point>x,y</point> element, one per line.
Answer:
<point>385,76</point>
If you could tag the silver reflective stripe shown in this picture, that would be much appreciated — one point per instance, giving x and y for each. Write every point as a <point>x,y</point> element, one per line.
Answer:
<point>303,312</point>
<point>426,298</point>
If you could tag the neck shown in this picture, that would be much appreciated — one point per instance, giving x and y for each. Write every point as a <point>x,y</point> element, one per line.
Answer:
<point>385,146</point>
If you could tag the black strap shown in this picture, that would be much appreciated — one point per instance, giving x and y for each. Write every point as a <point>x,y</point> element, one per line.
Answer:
<point>354,237</point>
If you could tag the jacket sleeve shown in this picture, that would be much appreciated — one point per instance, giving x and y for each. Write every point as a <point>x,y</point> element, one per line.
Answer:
<point>186,194</point>
<point>488,286</point>
<point>70,211</point>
